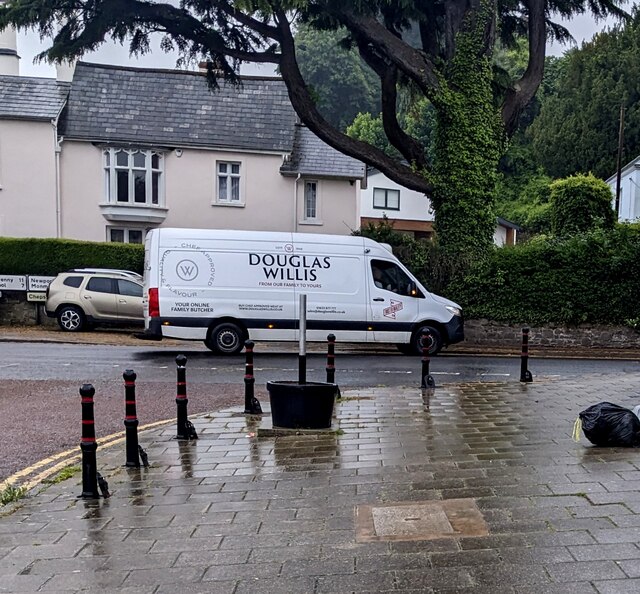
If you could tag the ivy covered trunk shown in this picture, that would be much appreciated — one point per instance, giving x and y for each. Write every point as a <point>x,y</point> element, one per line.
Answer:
<point>469,143</point>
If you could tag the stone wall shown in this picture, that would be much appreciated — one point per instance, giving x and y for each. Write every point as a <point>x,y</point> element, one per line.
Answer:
<point>585,336</point>
<point>15,310</point>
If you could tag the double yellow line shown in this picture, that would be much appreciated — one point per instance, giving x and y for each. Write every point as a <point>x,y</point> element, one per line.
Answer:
<point>57,462</point>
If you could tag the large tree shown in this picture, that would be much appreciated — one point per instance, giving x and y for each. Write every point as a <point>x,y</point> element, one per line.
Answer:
<point>441,48</point>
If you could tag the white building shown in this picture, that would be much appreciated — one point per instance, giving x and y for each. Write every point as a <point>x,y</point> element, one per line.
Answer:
<point>629,206</point>
<point>118,151</point>
<point>410,211</point>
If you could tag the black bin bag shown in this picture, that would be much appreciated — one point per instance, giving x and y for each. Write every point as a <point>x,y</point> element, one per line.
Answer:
<point>607,424</point>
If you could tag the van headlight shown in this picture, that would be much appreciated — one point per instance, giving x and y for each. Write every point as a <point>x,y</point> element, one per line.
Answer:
<point>456,311</point>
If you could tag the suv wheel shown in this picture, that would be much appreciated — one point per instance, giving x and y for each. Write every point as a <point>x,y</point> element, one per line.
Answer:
<point>71,319</point>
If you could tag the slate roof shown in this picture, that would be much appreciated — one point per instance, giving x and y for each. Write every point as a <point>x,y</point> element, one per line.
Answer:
<point>176,108</point>
<point>312,156</point>
<point>31,98</point>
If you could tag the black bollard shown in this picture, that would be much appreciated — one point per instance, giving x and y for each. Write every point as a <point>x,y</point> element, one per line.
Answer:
<point>427,378</point>
<point>88,445</point>
<point>525,374</point>
<point>331,359</point>
<point>251,404</point>
<point>131,419</point>
<point>181,398</point>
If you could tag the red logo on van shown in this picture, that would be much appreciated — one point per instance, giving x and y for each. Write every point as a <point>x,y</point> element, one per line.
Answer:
<point>390,312</point>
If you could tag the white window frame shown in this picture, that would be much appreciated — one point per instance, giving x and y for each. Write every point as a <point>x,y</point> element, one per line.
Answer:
<point>110,176</point>
<point>304,219</point>
<point>307,215</point>
<point>126,231</point>
<point>228,200</point>
<point>386,198</point>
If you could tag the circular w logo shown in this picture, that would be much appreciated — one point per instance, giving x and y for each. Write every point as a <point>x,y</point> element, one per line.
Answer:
<point>187,270</point>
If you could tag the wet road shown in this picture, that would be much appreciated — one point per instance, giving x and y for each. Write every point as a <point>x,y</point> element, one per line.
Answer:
<point>93,363</point>
<point>40,404</point>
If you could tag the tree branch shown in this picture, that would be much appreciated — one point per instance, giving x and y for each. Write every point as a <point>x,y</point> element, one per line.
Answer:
<point>305,107</point>
<point>412,62</point>
<point>524,89</point>
<point>408,146</point>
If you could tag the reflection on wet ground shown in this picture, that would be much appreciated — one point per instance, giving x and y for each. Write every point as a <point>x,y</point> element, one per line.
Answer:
<point>474,487</point>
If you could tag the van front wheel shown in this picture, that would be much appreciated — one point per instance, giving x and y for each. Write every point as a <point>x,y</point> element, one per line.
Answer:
<point>225,339</point>
<point>435,340</point>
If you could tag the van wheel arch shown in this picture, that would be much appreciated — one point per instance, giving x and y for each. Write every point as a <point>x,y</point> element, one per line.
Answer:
<point>226,336</point>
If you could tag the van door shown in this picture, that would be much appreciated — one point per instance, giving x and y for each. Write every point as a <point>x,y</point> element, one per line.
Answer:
<point>394,301</point>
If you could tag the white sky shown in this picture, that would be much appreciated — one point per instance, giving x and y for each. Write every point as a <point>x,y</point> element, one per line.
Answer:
<point>581,27</point>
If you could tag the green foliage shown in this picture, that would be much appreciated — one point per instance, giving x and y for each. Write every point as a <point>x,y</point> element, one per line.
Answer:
<point>369,129</point>
<point>580,203</point>
<point>10,494</point>
<point>528,204</point>
<point>63,475</point>
<point>577,130</point>
<point>342,83</point>
<point>48,257</point>
<point>592,278</point>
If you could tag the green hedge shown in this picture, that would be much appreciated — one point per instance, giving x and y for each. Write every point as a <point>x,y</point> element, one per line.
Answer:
<point>48,257</point>
<point>593,278</point>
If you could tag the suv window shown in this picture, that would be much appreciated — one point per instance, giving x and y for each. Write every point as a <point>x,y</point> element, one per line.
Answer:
<point>100,284</point>
<point>126,287</point>
<point>72,281</point>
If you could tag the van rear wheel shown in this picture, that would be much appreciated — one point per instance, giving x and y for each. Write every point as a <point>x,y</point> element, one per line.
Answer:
<point>226,339</point>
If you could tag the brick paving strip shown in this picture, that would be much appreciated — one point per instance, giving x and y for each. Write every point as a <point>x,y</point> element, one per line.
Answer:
<point>474,487</point>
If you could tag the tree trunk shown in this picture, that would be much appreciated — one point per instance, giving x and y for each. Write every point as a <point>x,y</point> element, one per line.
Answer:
<point>469,143</point>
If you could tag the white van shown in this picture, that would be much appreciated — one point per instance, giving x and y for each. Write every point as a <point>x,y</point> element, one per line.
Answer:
<point>224,287</point>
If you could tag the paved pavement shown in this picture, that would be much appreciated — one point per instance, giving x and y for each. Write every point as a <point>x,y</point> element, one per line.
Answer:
<point>468,488</point>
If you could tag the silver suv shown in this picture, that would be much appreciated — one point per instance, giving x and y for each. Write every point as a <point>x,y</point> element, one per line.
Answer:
<point>91,296</point>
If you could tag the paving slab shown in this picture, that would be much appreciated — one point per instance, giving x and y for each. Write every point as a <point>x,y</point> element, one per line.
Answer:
<point>474,487</point>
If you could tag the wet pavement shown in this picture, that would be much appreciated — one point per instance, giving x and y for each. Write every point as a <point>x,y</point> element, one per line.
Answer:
<point>473,487</point>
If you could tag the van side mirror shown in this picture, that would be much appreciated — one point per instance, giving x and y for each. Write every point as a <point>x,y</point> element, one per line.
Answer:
<point>413,291</point>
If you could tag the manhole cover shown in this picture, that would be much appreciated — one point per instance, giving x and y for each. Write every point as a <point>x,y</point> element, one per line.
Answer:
<point>419,520</point>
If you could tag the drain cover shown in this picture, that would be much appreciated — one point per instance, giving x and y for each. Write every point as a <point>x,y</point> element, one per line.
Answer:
<point>419,520</point>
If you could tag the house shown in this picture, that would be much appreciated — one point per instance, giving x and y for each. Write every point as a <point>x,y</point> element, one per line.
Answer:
<point>629,205</point>
<point>117,151</point>
<point>410,211</point>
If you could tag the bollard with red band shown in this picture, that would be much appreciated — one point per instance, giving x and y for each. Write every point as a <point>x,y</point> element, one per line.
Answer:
<point>525,374</point>
<point>131,419</point>
<point>331,359</point>
<point>427,378</point>
<point>186,430</point>
<point>251,403</point>
<point>88,445</point>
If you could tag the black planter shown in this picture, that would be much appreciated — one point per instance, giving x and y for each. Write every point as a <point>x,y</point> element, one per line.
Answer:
<point>301,406</point>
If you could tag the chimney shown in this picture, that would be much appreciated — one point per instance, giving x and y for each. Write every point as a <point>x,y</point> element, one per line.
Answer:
<point>65,70</point>
<point>9,58</point>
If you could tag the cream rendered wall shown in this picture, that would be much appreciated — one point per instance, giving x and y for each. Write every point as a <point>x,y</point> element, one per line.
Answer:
<point>414,206</point>
<point>190,194</point>
<point>82,190</point>
<point>337,207</point>
<point>27,179</point>
<point>191,187</point>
